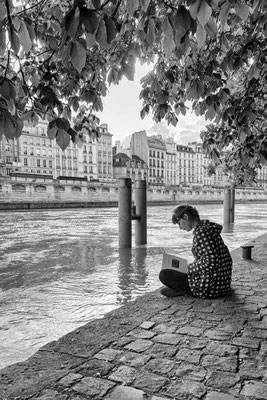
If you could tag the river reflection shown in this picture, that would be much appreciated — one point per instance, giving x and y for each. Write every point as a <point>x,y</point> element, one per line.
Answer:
<point>62,268</point>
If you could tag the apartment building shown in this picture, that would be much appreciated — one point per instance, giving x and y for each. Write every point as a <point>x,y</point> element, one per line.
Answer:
<point>170,162</point>
<point>156,163</point>
<point>34,153</point>
<point>129,167</point>
<point>104,155</point>
<point>185,165</point>
<point>9,156</point>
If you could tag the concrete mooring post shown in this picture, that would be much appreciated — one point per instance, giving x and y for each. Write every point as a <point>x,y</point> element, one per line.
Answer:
<point>229,206</point>
<point>127,213</point>
<point>232,212</point>
<point>140,204</point>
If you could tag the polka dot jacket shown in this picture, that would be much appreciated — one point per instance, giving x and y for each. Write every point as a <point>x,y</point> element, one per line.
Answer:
<point>210,274</point>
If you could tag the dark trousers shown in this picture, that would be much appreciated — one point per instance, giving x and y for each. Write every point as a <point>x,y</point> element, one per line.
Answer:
<point>175,280</point>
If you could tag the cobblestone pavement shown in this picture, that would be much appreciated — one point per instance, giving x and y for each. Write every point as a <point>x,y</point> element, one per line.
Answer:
<point>157,348</point>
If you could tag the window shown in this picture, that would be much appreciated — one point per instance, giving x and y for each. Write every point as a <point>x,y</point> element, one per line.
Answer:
<point>50,164</point>
<point>44,163</point>
<point>26,161</point>
<point>38,162</point>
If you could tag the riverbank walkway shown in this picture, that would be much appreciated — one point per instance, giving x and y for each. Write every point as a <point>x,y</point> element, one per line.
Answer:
<point>158,348</point>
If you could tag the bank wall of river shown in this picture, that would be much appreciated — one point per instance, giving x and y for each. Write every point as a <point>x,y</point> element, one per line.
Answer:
<point>40,195</point>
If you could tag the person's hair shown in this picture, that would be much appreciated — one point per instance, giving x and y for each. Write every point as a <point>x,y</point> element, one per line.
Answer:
<point>182,209</point>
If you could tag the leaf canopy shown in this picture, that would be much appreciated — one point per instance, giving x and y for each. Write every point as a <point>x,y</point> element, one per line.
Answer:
<point>57,55</point>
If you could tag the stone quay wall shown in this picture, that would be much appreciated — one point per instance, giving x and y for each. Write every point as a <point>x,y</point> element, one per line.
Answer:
<point>86,194</point>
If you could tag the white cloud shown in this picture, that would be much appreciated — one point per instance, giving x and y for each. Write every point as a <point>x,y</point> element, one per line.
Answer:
<point>122,108</point>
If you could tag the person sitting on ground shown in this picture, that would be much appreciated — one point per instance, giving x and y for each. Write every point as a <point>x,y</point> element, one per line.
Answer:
<point>210,274</point>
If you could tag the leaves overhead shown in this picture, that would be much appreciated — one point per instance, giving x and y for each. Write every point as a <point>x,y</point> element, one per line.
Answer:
<point>58,55</point>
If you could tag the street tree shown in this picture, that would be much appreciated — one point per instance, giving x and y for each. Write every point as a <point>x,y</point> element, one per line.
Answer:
<point>59,55</point>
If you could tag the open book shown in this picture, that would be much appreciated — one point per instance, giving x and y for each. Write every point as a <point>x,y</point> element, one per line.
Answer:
<point>171,261</point>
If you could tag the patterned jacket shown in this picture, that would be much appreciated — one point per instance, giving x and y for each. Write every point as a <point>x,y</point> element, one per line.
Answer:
<point>210,274</point>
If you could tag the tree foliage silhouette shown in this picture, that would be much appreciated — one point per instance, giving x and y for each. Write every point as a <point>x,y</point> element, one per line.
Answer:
<point>58,55</point>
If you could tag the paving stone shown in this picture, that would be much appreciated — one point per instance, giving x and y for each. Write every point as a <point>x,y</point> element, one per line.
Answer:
<point>186,389</point>
<point>263,312</point>
<point>206,307</point>
<point>49,394</point>
<point>162,350</point>
<point>251,368</point>
<point>121,342</point>
<point>222,380</point>
<point>142,334</point>
<point>108,354</point>
<point>258,324</point>
<point>70,379</point>
<point>255,390</point>
<point>192,356</point>
<point>212,317</point>
<point>255,333</point>
<point>190,371</point>
<point>220,363</point>
<point>123,374</point>
<point>217,334</point>
<point>147,325</point>
<point>246,342</point>
<point>220,349</point>
<point>135,360</point>
<point>190,330</point>
<point>194,343</point>
<point>161,318</point>
<point>95,367</point>
<point>139,345</point>
<point>219,396</point>
<point>93,386</point>
<point>126,393</point>
<point>165,328</point>
<point>160,365</point>
<point>204,324</point>
<point>168,338</point>
<point>149,382</point>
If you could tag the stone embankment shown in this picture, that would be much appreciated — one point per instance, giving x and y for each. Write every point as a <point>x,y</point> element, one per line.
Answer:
<point>157,348</point>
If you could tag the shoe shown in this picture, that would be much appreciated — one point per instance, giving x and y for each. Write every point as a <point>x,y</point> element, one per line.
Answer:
<point>168,292</point>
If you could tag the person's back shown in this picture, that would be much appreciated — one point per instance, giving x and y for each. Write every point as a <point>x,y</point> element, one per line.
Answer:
<point>210,274</point>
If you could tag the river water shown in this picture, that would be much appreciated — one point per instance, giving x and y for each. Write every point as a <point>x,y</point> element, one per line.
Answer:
<point>60,269</point>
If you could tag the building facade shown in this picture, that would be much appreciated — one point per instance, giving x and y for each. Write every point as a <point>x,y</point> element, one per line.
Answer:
<point>162,162</point>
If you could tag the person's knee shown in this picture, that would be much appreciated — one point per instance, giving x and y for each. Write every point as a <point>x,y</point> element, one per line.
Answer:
<point>163,276</point>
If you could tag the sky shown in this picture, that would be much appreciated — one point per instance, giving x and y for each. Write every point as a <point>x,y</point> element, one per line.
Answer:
<point>122,112</point>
